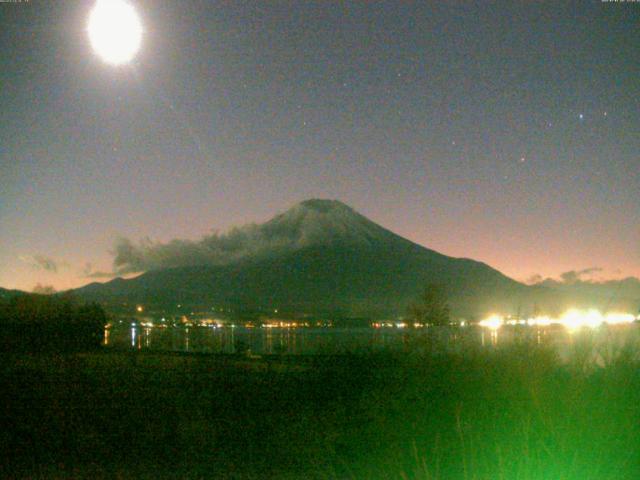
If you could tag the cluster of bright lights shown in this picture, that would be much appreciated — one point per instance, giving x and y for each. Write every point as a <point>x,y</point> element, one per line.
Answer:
<point>493,322</point>
<point>572,319</point>
<point>462,323</point>
<point>283,324</point>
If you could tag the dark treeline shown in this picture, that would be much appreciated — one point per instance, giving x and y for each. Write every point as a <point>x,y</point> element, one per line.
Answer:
<point>33,323</point>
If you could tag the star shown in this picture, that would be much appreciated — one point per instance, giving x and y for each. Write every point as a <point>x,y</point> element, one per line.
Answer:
<point>581,116</point>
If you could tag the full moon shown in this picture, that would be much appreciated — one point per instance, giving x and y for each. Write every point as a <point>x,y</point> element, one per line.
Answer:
<point>115,31</point>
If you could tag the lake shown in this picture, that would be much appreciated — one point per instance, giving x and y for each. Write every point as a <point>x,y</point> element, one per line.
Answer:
<point>302,341</point>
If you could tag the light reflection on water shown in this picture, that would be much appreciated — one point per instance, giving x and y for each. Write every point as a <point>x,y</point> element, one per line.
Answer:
<point>133,336</point>
<point>343,340</point>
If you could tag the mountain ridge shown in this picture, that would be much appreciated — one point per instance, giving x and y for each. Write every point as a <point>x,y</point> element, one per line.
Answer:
<point>322,257</point>
<point>319,256</point>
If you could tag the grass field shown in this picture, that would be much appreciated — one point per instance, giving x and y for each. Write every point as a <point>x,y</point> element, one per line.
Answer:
<point>513,413</point>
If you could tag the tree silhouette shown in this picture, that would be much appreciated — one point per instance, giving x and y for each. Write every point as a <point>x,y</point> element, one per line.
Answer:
<point>431,307</point>
<point>31,322</point>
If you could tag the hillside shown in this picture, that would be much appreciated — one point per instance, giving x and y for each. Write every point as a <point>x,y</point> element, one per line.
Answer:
<point>319,257</point>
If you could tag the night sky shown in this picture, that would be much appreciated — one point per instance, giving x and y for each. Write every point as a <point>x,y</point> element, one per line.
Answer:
<point>505,133</point>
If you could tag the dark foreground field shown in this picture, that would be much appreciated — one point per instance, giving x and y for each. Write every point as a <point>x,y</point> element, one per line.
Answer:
<point>510,414</point>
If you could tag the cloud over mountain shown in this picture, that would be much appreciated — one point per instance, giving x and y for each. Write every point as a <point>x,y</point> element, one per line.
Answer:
<point>89,272</point>
<point>41,262</point>
<point>313,222</point>
<point>574,276</point>
<point>582,282</point>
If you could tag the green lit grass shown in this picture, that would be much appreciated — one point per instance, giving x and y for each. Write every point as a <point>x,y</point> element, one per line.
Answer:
<point>514,413</point>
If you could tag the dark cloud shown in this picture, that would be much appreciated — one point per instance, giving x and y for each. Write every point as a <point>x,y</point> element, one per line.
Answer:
<point>571,277</point>
<point>608,291</point>
<point>574,276</point>
<point>87,269</point>
<point>583,281</point>
<point>89,272</point>
<point>312,222</point>
<point>534,279</point>
<point>210,250</point>
<point>42,262</point>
